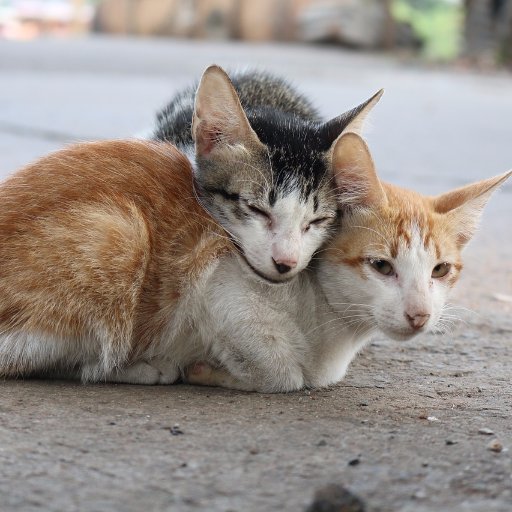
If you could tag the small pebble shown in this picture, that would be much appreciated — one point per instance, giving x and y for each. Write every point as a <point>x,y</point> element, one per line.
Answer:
<point>335,498</point>
<point>495,446</point>
<point>254,451</point>
<point>176,431</point>
<point>419,495</point>
<point>485,431</point>
<point>322,442</point>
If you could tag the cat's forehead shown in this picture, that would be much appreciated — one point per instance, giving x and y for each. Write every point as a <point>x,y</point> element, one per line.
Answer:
<point>304,171</point>
<point>293,206</point>
<point>412,229</point>
<point>410,222</point>
<point>295,155</point>
<point>396,230</point>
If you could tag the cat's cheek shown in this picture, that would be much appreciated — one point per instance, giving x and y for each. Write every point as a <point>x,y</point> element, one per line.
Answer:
<point>440,293</point>
<point>310,245</point>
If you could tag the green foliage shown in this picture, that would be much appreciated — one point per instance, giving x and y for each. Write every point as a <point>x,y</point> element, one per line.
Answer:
<point>438,23</point>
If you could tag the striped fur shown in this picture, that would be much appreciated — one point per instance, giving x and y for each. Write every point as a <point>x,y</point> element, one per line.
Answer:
<point>261,157</point>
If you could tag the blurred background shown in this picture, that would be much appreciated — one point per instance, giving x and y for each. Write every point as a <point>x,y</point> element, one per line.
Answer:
<point>439,30</point>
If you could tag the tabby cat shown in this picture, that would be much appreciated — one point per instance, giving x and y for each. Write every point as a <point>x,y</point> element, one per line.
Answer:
<point>262,164</point>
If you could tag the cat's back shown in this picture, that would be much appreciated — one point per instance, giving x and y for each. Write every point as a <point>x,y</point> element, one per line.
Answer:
<point>88,171</point>
<point>107,204</point>
<point>97,232</point>
<point>257,91</point>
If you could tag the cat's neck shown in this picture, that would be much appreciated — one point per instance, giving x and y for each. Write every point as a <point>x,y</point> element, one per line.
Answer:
<point>338,331</point>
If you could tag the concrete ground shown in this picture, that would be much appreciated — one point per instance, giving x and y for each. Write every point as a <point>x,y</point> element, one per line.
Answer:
<point>401,431</point>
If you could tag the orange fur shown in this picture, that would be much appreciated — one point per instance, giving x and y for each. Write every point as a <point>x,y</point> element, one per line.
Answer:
<point>101,238</point>
<point>389,225</point>
<point>382,219</point>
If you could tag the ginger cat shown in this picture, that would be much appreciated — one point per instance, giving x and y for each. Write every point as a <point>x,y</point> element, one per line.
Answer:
<point>112,271</point>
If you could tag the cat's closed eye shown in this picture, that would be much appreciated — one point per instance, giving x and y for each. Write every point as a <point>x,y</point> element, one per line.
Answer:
<point>441,269</point>
<point>257,210</point>
<point>317,222</point>
<point>229,196</point>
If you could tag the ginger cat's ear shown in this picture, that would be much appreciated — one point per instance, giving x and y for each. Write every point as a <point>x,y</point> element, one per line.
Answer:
<point>219,118</point>
<point>464,205</point>
<point>357,182</point>
<point>351,121</point>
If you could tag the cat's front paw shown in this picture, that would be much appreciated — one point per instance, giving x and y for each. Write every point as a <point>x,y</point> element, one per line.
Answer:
<point>203,374</point>
<point>168,371</point>
<point>199,373</point>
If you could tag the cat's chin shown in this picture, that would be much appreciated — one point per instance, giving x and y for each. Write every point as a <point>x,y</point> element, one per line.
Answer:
<point>401,335</point>
<point>260,276</point>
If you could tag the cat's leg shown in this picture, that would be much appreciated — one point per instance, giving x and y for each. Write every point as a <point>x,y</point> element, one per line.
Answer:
<point>256,347</point>
<point>265,357</point>
<point>23,354</point>
<point>154,371</point>
<point>202,374</point>
<point>169,371</point>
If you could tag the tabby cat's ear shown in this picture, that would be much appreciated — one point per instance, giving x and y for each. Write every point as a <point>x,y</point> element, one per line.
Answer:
<point>357,183</point>
<point>351,121</point>
<point>219,119</point>
<point>463,206</point>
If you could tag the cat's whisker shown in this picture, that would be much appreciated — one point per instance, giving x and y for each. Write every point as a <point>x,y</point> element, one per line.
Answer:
<point>372,230</point>
<point>232,235</point>
<point>308,333</point>
<point>271,168</point>
<point>442,328</point>
<point>359,329</point>
<point>340,319</point>
<point>462,309</point>
<point>258,170</point>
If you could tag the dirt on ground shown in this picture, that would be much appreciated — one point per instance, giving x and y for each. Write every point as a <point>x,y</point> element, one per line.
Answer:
<point>415,426</point>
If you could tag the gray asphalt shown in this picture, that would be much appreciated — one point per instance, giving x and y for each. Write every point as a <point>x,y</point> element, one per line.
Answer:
<point>64,446</point>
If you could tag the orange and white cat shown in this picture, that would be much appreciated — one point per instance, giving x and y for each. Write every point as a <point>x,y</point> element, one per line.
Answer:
<point>112,271</point>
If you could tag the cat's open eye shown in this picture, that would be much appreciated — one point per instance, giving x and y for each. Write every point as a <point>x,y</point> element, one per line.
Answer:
<point>382,267</point>
<point>440,270</point>
<point>258,211</point>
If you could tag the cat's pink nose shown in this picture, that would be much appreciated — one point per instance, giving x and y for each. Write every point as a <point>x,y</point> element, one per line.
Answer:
<point>284,265</point>
<point>418,320</point>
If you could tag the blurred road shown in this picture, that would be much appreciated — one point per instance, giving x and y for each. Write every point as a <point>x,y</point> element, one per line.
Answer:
<point>70,447</point>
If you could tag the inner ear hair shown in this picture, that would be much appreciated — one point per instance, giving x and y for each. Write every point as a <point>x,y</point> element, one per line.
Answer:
<point>464,205</point>
<point>218,114</point>
<point>357,183</point>
<point>479,191</point>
